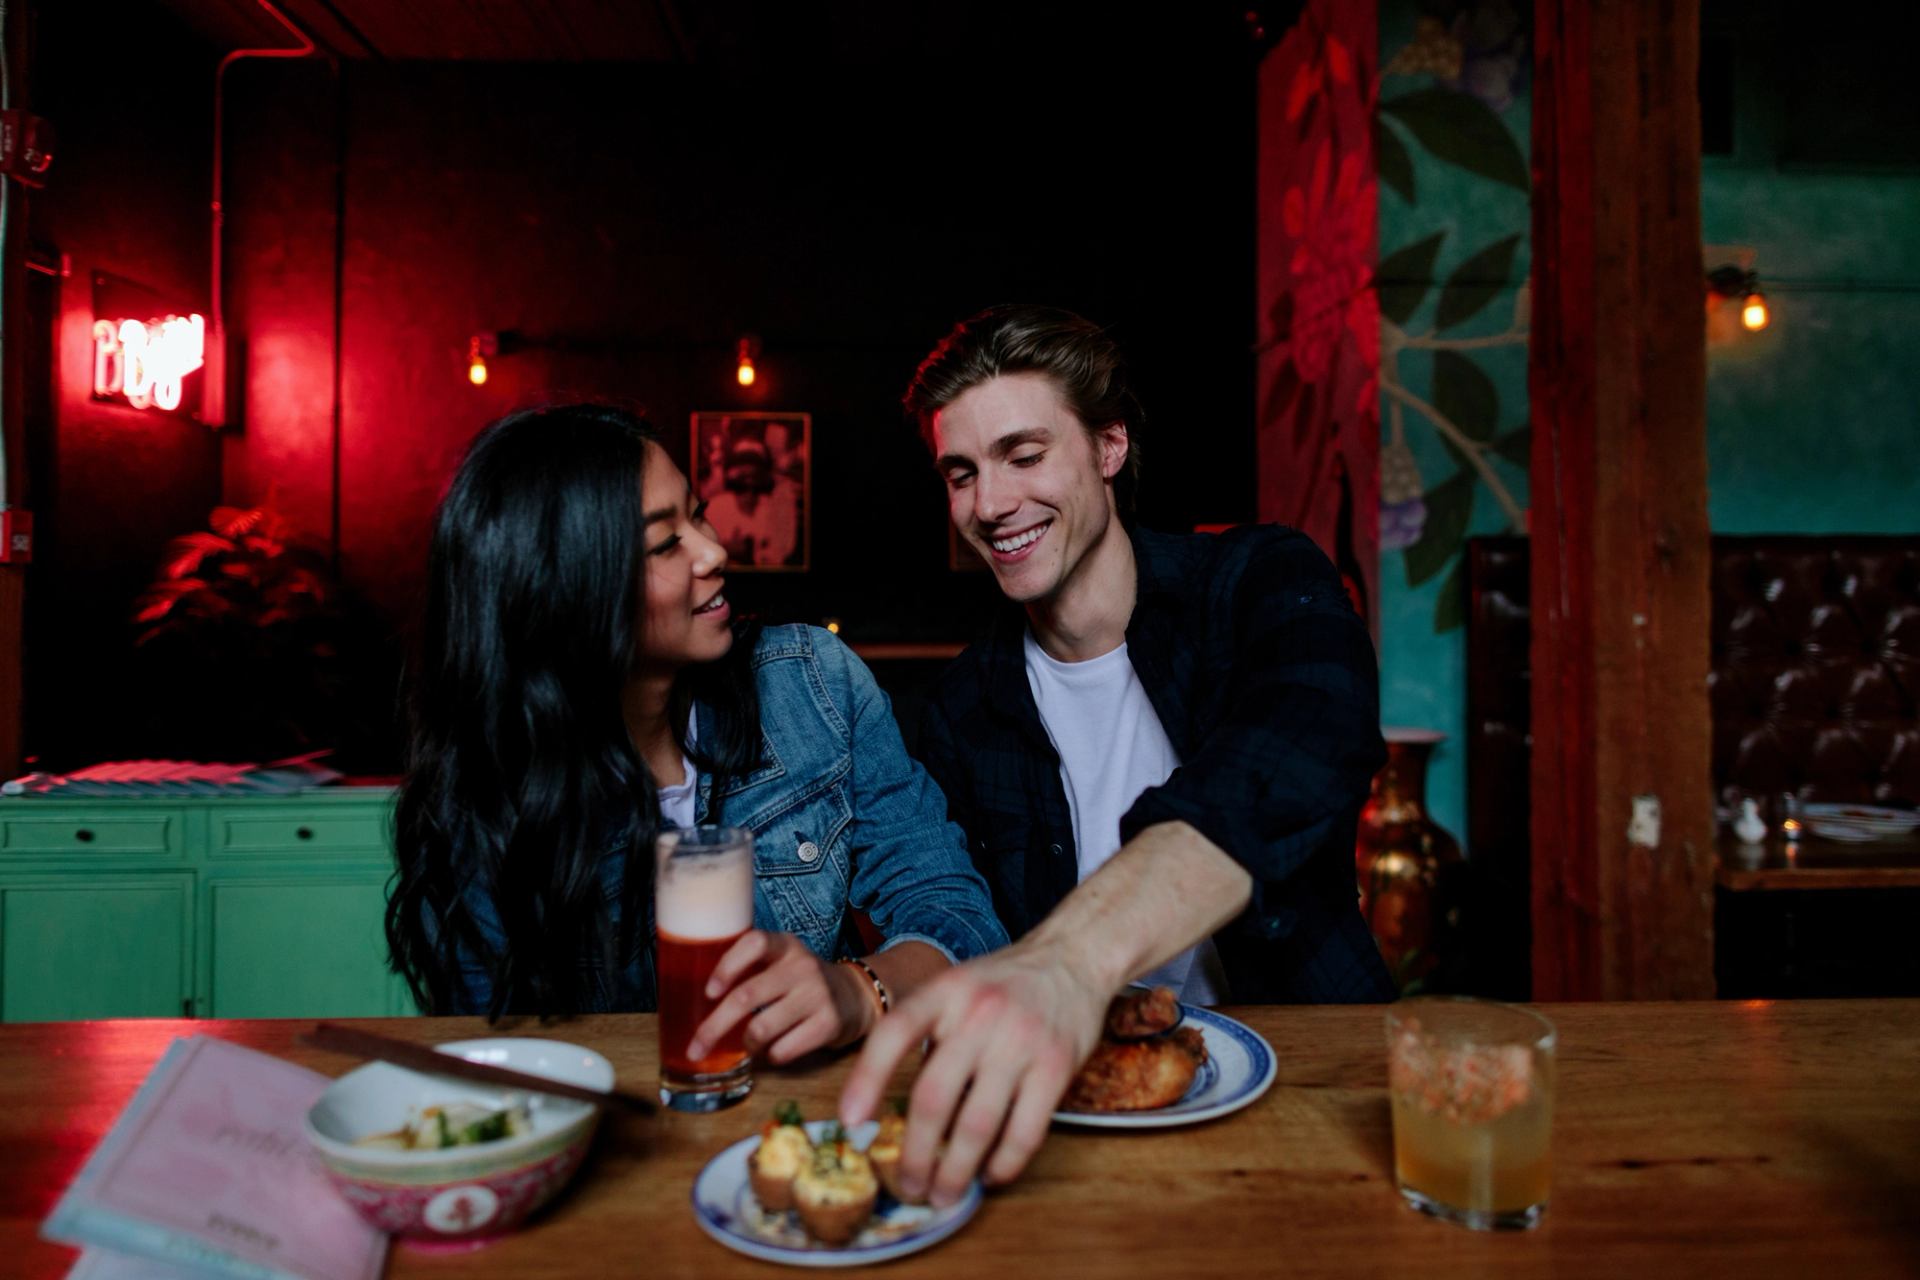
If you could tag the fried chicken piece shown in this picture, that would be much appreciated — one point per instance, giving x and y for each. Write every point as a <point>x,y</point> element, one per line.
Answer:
<point>1137,1075</point>
<point>1137,1014</point>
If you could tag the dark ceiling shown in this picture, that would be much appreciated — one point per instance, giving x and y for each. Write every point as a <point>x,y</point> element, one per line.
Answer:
<point>480,30</point>
<point>733,34</point>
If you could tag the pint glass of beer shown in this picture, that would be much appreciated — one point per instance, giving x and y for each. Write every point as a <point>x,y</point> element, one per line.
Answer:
<point>703,902</point>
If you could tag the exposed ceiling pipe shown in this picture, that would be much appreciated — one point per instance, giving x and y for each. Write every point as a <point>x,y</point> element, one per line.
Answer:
<point>213,394</point>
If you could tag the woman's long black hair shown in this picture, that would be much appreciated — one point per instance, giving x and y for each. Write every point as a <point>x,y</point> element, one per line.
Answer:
<point>521,773</point>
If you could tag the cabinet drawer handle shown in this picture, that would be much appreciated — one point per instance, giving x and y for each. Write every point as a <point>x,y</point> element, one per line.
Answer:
<point>304,833</point>
<point>84,835</point>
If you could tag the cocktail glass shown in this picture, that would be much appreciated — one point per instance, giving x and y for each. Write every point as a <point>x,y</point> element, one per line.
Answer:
<point>1471,1083</point>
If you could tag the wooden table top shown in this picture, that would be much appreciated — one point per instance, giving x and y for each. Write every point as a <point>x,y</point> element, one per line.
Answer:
<point>1751,1139</point>
<point>1813,863</point>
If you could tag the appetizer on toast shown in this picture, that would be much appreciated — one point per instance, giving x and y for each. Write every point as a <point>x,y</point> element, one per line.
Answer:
<point>884,1153</point>
<point>784,1150</point>
<point>835,1194</point>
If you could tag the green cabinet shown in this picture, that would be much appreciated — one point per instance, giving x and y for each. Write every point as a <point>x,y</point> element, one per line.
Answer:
<point>333,926</point>
<point>218,907</point>
<point>111,945</point>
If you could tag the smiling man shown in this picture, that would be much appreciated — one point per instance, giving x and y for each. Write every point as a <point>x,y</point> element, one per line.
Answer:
<point>1158,752</point>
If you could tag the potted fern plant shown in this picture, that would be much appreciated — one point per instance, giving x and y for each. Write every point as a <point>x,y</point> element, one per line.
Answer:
<point>249,647</point>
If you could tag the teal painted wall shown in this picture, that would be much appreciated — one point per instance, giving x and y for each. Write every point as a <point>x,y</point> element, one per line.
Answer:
<point>1464,188</point>
<point>1813,424</point>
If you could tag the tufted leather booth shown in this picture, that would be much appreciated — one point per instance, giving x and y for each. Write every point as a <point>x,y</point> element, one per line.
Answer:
<point>1816,667</point>
<point>1814,687</point>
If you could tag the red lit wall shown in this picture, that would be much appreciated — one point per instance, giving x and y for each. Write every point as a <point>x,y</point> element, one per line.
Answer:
<point>638,220</point>
<point>108,485</point>
<point>633,221</point>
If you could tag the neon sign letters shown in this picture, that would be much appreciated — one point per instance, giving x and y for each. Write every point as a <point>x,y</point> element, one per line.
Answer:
<point>147,361</point>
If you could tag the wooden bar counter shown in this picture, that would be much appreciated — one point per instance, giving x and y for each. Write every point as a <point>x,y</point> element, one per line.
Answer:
<point>1704,1139</point>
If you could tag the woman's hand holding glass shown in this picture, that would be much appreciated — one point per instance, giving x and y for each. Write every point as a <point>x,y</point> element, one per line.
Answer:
<point>793,1001</point>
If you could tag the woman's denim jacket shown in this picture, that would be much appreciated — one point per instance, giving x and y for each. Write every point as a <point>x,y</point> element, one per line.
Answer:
<point>841,815</point>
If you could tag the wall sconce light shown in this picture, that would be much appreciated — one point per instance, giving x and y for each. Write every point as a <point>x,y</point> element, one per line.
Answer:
<point>1738,283</point>
<point>479,348</point>
<point>746,351</point>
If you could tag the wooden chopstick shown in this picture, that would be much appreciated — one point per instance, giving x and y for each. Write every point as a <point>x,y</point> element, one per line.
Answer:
<point>423,1058</point>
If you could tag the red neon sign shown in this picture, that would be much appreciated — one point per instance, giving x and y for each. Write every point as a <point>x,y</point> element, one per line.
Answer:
<point>147,361</point>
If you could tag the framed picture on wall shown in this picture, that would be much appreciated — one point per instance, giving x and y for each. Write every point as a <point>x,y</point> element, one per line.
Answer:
<point>754,470</point>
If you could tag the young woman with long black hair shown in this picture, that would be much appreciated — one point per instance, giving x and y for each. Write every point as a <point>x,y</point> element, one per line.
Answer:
<point>581,685</point>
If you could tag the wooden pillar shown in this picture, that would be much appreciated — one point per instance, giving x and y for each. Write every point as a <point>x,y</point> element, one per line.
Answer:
<point>1622,905</point>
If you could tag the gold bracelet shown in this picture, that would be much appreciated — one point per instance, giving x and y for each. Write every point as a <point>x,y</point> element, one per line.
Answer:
<point>880,991</point>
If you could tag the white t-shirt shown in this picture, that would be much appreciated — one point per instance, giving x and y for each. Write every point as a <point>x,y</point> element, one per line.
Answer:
<point>1112,747</point>
<point>677,801</point>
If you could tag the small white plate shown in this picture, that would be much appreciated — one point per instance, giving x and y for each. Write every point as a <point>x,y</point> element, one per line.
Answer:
<point>1828,829</point>
<point>725,1208</point>
<point>1239,1068</point>
<point>1859,821</point>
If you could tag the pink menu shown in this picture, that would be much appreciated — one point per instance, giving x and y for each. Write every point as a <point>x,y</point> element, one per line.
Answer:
<point>208,1165</point>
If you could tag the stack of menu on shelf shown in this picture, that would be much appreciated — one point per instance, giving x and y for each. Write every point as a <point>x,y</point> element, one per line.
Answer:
<point>207,1172</point>
<point>174,778</point>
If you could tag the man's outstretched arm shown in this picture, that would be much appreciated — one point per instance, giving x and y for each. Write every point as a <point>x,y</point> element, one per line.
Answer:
<point>1010,1029</point>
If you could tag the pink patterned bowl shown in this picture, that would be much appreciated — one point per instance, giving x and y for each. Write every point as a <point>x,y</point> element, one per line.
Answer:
<point>460,1194</point>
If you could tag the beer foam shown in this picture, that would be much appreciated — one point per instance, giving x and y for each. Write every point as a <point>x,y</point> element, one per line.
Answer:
<point>706,897</point>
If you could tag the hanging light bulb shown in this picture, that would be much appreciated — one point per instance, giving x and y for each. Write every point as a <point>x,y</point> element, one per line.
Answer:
<point>479,347</point>
<point>1733,284</point>
<point>744,352</point>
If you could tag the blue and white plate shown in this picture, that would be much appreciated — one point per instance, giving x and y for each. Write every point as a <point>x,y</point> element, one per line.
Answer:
<point>1239,1068</point>
<point>1859,822</point>
<point>725,1207</point>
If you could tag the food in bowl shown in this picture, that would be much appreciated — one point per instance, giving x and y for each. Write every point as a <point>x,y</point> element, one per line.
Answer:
<point>468,1191</point>
<point>456,1124</point>
<point>784,1150</point>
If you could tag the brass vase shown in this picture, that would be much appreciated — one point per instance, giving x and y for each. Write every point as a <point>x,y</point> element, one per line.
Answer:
<point>1408,865</point>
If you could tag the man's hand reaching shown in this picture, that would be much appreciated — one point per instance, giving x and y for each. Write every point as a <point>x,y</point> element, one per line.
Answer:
<point>1008,1030</point>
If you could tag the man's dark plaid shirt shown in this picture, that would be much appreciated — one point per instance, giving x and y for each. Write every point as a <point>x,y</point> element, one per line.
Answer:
<point>1263,677</point>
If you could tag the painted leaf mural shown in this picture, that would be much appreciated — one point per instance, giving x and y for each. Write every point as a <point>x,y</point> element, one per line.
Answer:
<point>1453,452</point>
<point>1475,283</point>
<point>1390,158</point>
<point>1454,312</point>
<point>1461,130</point>
<point>1403,277</point>
<point>1317,436</point>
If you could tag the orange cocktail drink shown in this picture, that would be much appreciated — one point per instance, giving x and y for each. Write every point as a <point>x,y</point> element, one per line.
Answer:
<point>1471,1084</point>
